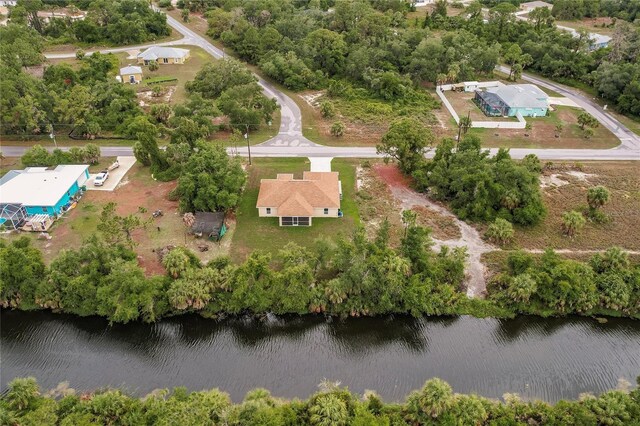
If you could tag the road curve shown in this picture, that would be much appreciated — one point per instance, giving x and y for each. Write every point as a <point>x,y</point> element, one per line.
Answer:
<point>289,142</point>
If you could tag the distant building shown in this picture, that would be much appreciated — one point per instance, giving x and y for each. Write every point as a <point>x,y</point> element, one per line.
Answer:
<point>8,3</point>
<point>599,41</point>
<point>131,74</point>
<point>163,55</point>
<point>531,5</point>
<point>296,201</point>
<point>71,14</point>
<point>509,100</point>
<point>39,191</point>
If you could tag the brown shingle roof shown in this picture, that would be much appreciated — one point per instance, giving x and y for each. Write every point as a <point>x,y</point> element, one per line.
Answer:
<point>298,197</point>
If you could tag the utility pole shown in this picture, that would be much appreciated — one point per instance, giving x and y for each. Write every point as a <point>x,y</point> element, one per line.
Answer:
<point>52,135</point>
<point>246,136</point>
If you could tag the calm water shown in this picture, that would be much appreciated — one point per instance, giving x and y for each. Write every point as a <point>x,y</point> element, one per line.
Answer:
<point>548,359</point>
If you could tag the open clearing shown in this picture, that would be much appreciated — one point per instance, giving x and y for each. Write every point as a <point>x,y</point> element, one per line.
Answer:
<point>542,134</point>
<point>623,181</point>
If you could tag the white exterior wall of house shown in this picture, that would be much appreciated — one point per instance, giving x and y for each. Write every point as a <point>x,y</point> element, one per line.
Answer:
<point>320,213</point>
<point>262,212</point>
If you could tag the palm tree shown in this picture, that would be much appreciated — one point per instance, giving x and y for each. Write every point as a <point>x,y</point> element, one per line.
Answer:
<point>597,197</point>
<point>500,231</point>
<point>329,410</point>
<point>522,288</point>
<point>409,219</point>
<point>435,397</point>
<point>572,222</point>
<point>188,219</point>
<point>558,129</point>
<point>176,262</point>
<point>464,125</point>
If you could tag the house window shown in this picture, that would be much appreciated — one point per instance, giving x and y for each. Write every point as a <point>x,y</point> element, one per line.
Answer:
<point>326,211</point>
<point>165,60</point>
<point>295,221</point>
<point>268,210</point>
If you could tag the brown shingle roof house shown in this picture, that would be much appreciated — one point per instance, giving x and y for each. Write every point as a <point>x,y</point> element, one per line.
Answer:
<point>296,201</point>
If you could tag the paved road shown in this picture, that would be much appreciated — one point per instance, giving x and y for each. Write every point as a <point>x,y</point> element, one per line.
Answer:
<point>291,143</point>
<point>370,152</point>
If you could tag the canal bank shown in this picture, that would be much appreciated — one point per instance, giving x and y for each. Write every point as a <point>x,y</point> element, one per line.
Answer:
<point>547,359</point>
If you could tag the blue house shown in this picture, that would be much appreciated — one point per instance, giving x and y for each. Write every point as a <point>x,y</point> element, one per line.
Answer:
<point>38,190</point>
<point>509,100</point>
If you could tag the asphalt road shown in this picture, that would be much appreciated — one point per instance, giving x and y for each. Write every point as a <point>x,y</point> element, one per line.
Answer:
<point>291,143</point>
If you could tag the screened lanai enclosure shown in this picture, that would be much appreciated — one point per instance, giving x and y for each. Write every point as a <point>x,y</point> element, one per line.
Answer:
<point>12,216</point>
<point>491,104</point>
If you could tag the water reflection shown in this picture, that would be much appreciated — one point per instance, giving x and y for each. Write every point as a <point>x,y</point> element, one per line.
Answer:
<point>538,358</point>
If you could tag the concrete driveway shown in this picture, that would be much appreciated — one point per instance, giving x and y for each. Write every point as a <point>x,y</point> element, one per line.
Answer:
<point>115,176</point>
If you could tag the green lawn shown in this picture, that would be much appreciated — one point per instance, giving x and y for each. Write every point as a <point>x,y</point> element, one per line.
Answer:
<point>256,233</point>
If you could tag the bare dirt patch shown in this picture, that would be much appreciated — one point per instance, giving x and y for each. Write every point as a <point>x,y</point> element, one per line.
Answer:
<point>146,96</point>
<point>468,238</point>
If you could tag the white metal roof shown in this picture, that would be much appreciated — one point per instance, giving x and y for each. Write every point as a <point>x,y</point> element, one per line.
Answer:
<point>155,52</point>
<point>36,186</point>
<point>521,95</point>
<point>130,69</point>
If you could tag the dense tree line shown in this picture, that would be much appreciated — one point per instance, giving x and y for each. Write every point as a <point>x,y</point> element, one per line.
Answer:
<point>88,101</point>
<point>117,22</point>
<point>550,284</point>
<point>434,404</point>
<point>39,156</point>
<point>627,10</point>
<point>353,276</point>
<point>368,44</point>
<point>371,45</point>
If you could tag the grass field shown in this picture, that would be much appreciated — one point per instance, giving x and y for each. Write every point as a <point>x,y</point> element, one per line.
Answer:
<point>623,181</point>
<point>256,233</point>
<point>542,134</point>
<point>600,25</point>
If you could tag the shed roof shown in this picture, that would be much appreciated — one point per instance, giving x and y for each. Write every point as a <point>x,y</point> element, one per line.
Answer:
<point>299,197</point>
<point>37,186</point>
<point>521,95</point>
<point>208,223</point>
<point>156,52</point>
<point>130,69</point>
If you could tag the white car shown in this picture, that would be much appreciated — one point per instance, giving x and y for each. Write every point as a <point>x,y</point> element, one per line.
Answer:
<point>101,178</point>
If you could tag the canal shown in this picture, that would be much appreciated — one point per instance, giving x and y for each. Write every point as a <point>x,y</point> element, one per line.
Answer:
<point>548,359</point>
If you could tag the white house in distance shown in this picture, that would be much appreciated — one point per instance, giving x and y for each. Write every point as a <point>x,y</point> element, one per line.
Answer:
<point>72,14</point>
<point>531,5</point>
<point>296,201</point>
<point>131,74</point>
<point>163,55</point>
